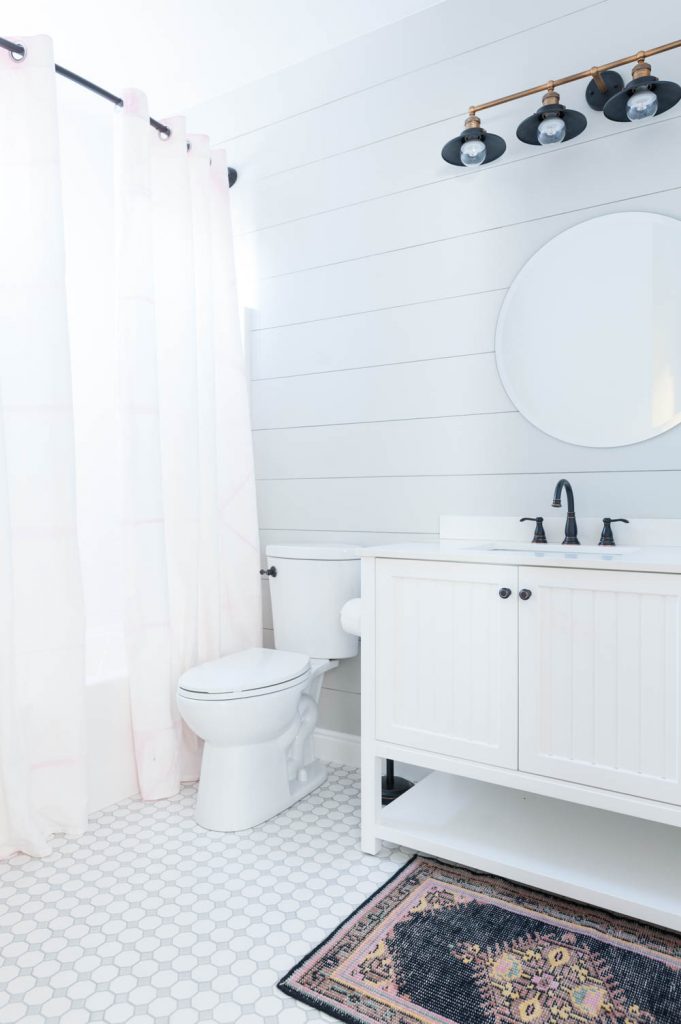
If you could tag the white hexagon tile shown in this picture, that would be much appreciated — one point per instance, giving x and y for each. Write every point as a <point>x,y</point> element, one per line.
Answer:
<point>148,917</point>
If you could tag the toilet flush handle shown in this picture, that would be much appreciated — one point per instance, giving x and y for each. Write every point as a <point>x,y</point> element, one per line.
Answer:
<point>272,571</point>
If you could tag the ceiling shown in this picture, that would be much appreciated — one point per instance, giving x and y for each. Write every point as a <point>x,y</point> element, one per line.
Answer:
<point>181,52</point>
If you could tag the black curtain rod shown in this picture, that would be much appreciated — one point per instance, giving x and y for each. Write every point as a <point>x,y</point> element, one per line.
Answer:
<point>163,129</point>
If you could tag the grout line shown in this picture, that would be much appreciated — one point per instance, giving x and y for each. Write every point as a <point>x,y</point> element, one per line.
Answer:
<point>376,309</point>
<point>375,366</point>
<point>395,419</point>
<point>456,176</point>
<point>470,234</point>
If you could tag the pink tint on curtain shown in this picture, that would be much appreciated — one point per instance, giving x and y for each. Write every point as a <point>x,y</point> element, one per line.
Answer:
<point>156,726</point>
<point>195,590</point>
<point>238,550</point>
<point>42,772</point>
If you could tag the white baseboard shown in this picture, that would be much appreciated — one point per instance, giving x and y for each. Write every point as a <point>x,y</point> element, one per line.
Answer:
<point>342,747</point>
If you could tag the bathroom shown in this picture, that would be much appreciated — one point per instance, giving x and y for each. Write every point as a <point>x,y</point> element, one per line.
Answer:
<point>298,720</point>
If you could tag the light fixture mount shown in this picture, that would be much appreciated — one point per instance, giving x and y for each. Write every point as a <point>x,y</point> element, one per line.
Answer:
<point>602,87</point>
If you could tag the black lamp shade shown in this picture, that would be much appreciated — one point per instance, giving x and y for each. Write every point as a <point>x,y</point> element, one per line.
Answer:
<point>451,151</point>
<point>575,123</point>
<point>668,95</point>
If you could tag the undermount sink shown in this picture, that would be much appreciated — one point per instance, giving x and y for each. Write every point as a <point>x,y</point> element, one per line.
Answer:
<point>560,549</point>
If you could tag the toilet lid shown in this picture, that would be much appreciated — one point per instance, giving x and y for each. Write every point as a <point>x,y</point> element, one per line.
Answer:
<point>254,669</point>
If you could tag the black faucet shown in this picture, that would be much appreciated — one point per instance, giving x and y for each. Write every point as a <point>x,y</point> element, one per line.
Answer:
<point>570,522</point>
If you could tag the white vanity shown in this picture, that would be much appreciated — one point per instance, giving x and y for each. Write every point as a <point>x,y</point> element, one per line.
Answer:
<point>540,685</point>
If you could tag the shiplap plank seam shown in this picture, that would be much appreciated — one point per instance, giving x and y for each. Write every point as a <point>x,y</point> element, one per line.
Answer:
<point>411,71</point>
<point>471,234</point>
<point>377,309</point>
<point>512,159</point>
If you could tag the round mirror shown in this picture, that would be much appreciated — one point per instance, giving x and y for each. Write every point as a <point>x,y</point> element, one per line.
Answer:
<point>588,340</point>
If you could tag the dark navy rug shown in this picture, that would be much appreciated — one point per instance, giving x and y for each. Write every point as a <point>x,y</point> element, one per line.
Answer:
<point>439,944</point>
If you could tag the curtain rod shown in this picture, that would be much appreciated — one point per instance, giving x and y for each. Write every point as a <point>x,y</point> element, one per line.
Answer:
<point>162,129</point>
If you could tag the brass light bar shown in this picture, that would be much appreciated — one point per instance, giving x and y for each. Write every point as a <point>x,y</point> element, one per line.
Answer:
<point>643,97</point>
<point>593,72</point>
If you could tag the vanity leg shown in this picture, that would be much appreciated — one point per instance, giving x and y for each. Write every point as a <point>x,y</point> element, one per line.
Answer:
<point>372,768</point>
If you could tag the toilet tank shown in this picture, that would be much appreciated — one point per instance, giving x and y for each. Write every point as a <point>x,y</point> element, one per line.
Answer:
<point>312,584</point>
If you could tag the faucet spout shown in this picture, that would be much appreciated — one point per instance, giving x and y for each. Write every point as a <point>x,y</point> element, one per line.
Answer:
<point>571,521</point>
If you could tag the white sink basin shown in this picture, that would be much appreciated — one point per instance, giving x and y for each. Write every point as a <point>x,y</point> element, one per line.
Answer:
<point>559,549</point>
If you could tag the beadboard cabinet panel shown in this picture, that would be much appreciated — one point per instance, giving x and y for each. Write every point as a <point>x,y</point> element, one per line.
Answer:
<point>446,659</point>
<point>600,679</point>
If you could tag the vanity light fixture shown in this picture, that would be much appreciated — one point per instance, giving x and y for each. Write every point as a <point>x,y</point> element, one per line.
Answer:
<point>474,146</point>
<point>551,123</point>
<point>644,97</point>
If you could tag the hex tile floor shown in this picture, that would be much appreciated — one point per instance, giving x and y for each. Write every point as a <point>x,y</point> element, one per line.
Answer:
<point>149,918</point>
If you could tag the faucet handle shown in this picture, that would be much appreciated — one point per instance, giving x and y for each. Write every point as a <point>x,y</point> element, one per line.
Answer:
<point>607,540</point>
<point>539,534</point>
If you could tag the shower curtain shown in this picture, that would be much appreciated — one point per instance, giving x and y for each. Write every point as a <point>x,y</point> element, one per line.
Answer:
<point>182,427</point>
<point>192,553</point>
<point>42,776</point>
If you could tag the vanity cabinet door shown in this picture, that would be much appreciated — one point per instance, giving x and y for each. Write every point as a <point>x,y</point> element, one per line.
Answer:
<point>447,658</point>
<point>600,684</point>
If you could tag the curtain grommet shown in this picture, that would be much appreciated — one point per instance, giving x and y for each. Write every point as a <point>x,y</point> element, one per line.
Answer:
<point>18,55</point>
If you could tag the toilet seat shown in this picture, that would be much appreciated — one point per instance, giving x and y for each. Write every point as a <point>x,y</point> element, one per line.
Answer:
<point>251,673</point>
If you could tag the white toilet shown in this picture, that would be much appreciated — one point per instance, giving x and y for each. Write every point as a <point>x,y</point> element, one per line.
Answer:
<point>257,710</point>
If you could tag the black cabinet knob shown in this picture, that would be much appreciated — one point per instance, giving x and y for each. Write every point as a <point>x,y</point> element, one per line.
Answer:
<point>269,572</point>
<point>505,592</point>
<point>525,595</point>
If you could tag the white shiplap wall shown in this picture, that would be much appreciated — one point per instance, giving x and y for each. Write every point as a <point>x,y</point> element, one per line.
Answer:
<point>375,272</point>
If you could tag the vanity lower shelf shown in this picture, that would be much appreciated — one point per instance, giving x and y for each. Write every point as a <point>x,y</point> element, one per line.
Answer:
<point>615,861</point>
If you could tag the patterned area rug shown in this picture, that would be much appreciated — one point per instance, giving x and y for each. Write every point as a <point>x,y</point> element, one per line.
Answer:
<point>440,943</point>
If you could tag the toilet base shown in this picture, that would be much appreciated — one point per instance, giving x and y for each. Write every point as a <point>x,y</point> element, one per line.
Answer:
<point>241,787</point>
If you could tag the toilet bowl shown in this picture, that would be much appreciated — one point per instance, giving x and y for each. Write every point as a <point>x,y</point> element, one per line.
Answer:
<point>256,710</point>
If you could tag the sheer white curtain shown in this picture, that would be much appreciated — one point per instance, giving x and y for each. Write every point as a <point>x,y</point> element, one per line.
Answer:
<point>192,583</point>
<point>42,777</point>
<point>175,453</point>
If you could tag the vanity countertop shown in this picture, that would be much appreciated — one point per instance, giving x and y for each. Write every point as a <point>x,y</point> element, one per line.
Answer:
<point>640,559</point>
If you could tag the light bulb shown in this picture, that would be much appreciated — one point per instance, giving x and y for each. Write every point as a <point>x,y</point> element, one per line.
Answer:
<point>473,152</point>
<point>642,103</point>
<point>550,129</point>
